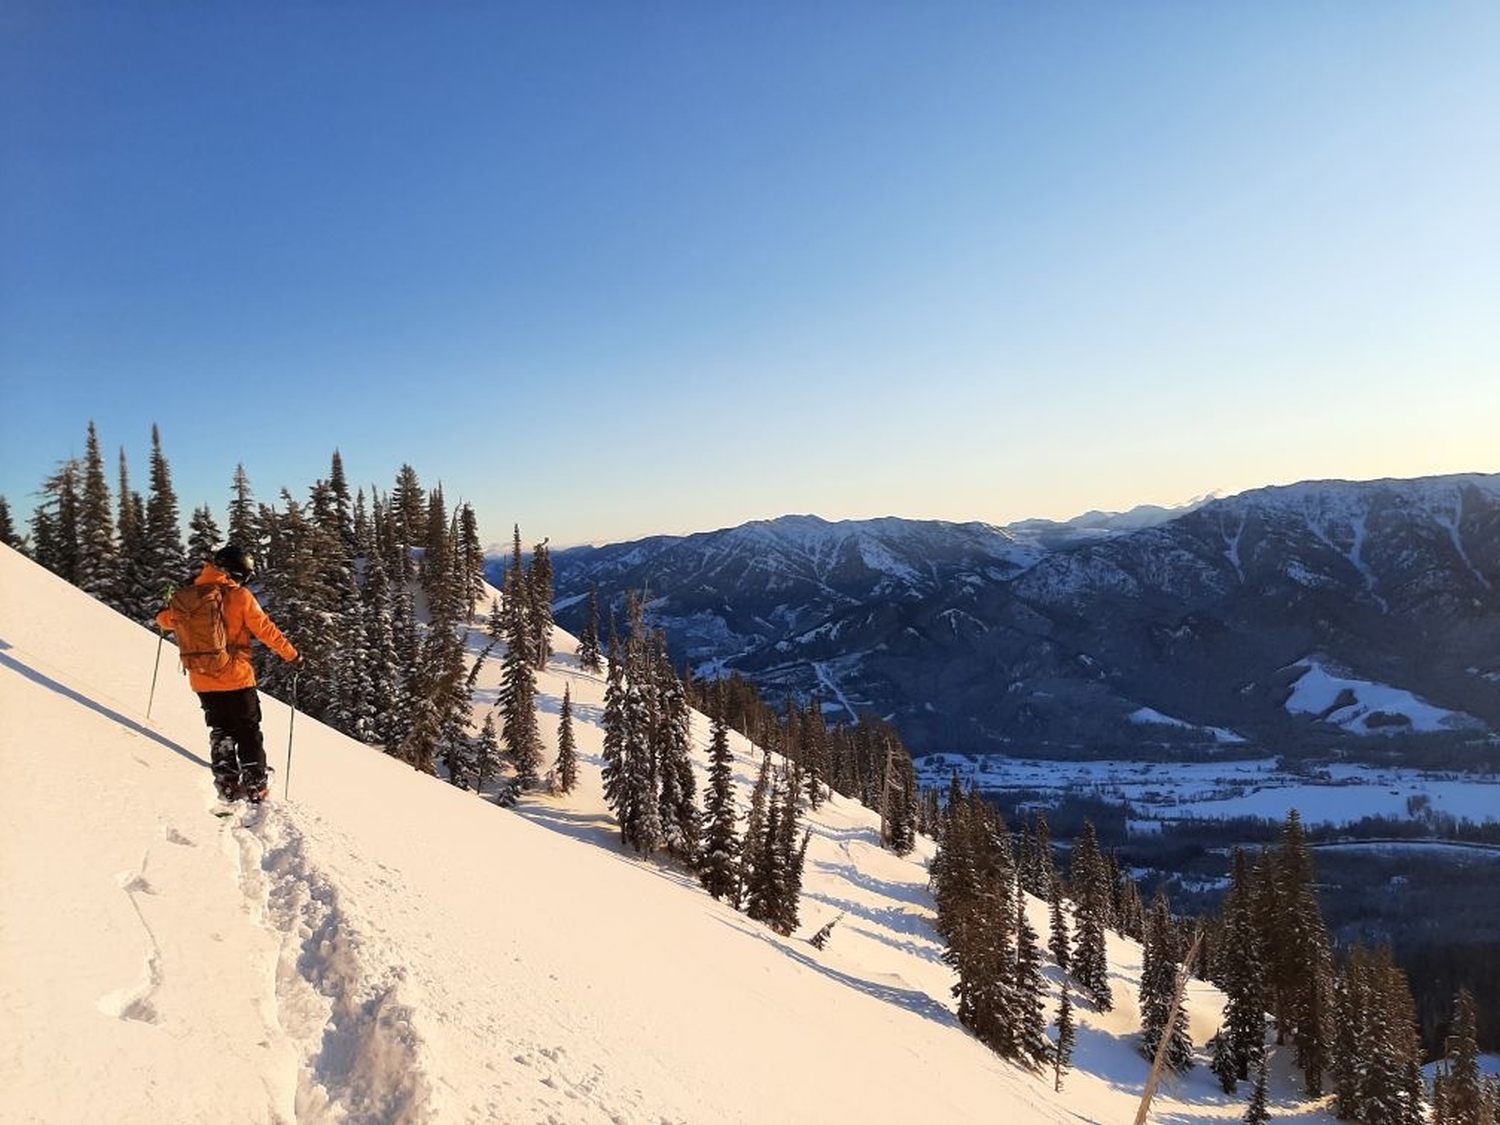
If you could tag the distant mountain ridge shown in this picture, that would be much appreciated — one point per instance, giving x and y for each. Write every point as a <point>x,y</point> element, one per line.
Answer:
<point>1061,635</point>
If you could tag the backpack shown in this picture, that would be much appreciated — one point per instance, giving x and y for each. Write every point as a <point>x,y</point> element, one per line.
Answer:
<point>202,632</point>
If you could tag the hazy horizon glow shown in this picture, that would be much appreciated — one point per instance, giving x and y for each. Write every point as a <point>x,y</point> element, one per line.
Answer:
<point>640,269</point>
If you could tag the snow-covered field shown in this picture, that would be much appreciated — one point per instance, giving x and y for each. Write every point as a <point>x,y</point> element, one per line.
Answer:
<point>1155,792</point>
<point>1363,707</point>
<point>382,947</point>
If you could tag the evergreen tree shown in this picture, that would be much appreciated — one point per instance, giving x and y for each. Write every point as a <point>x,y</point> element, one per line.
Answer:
<point>408,508</point>
<point>166,562</point>
<point>1067,1037</point>
<point>343,506</point>
<point>1090,963</point>
<point>8,534</point>
<point>1029,1018</point>
<point>612,772</point>
<point>1465,1099</point>
<point>1257,1113</point>
<point>819,940</point>
<point>486,754</point>
<point>244,524</point>
<point>638,784</point>
<point>1160,1014</point>
<point>677,800</point>
<point>973,874</point>
<point>469,556</point>
<point>98,562</point>
<point>721,844</point>
<point>204,537</point>
<point>1298,961</point>
<point>54,522</point>
<point>567,750</point>
<point>1059,941</point>
<point>1241,977</point>
<point>294,588</point>
<point>753,847</point>
<point>539,595</point>
<point>588,642</point>
<point>815,761</point>
<point>385,673</point>
<point>518,678</point>
<point>131,596</point>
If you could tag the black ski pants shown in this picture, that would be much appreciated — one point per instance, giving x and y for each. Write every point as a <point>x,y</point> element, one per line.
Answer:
<point>237,750</point>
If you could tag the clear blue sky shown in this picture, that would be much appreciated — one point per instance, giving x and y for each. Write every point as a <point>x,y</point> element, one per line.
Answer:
<point>617,268</point>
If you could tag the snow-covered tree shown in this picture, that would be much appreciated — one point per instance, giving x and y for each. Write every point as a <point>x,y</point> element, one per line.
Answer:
<point>721,844</point>
<point>565,772</point>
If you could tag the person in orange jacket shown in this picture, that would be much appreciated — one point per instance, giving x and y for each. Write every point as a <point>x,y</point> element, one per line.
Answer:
<point>231,705</point>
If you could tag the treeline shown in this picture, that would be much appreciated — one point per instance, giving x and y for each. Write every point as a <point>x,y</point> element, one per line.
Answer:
<point>868,763</point>
<point>1348,1015</point>
<point>342,573</point>
<point>651,787</point>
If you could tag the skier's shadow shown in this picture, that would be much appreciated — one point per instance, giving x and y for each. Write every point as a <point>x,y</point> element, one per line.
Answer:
<point>66,692</point>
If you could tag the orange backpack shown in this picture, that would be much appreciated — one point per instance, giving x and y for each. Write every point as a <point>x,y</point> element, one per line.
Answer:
<point>202,632</point>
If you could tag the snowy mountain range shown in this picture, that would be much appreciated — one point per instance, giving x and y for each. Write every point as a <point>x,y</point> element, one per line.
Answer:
<point>376,945</point>
<point>1167,629</point>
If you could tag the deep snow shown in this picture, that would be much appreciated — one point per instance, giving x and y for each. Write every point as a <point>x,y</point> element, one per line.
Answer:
<point>381,946</point>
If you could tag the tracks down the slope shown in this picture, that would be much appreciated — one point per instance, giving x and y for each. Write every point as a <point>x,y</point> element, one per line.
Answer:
<point>360,1052</point>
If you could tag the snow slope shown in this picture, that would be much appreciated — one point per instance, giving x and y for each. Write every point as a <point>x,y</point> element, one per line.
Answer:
<point>381,947</point>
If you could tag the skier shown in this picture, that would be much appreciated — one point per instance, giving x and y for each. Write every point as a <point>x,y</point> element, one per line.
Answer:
<point>231,706</point>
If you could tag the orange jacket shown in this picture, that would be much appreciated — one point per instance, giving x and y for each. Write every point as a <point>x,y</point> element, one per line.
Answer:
<point>243,618</point>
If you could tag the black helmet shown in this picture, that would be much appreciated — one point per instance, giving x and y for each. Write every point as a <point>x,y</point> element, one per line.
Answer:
<point>236,562</point>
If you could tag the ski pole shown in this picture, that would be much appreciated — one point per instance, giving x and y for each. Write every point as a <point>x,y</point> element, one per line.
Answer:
<point>161,635</point>
<point>151,699</point>
<point>286,792</point>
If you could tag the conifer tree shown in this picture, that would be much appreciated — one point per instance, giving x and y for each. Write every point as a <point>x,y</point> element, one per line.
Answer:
<point>815,763</point>
<point>1090,964</point>
<point>672,749</point>
<point>567,750</point>
<point>639,783</point>
<point>343,506</point>
<point>1298,962</point>
<point>1241,977</point>
<point>384,673</point>
<point>518,679</point>
<point>973,875</point>
<point>244,529</point>
<point>1067,1037</point>
<point>486,754</point>
<point>1257,1113</point>
<point>588,641</point>
<point>166,562</point>
<point>98,562</point>
<point>539,595</point>
<point>408,508</point>
<point>1160,1014</point>
<point>721,844</point>
<point>54,522</point>
<point>1059,942</point>
<point>819,940</point>
<point>612,772</point>
<point>131,596</point>
<point>8,534</point>
<point>754,844</point>
<point>1465,1099</point>
<point>1029,1018</point>
<point>204,537</point>
<point>469,555</point>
